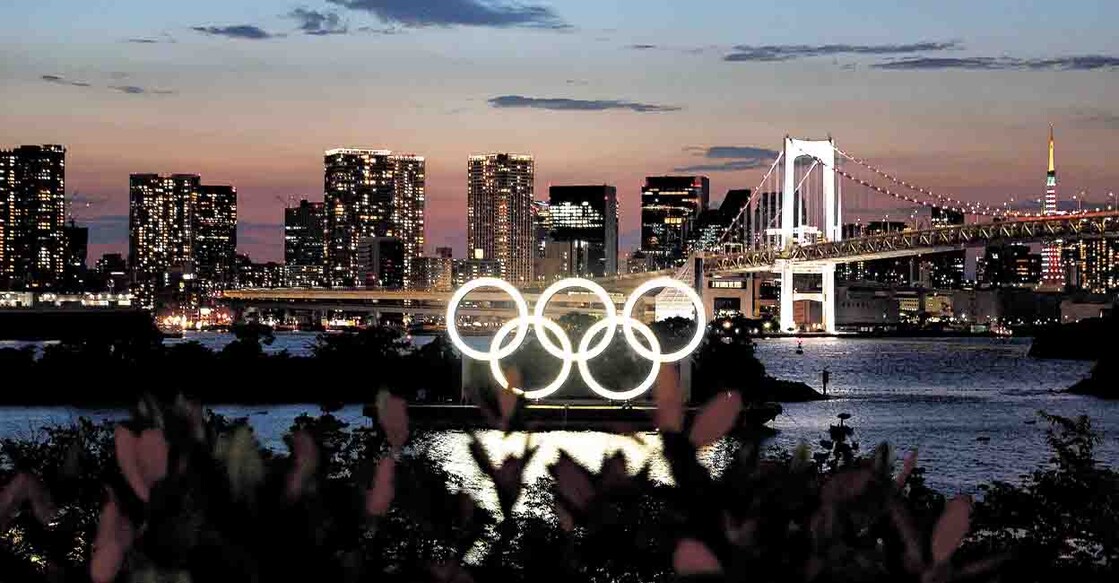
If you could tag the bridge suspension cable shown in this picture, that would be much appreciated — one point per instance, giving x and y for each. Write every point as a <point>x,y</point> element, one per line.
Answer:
<point>739,218</point>
<point>943,201</point>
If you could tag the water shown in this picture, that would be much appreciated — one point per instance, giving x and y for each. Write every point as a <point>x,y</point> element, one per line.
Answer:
<point>968,405</point>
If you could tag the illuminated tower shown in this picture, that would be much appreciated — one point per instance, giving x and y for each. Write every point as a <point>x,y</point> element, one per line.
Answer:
<point>1052,274</point>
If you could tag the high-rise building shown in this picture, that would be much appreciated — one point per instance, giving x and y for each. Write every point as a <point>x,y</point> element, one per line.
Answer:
<point>1092,265</point>
<point>371,193</point>
<point>900,271</point>
<point>670,207</point>
<point>761,218</point>
<point>303,244</point>
<point>464,270</point>
<point>1052,273</point>
<point>585,220</point>
<point>1010,265</point>
<point>381,262</point>
<point>713,224</point>
<point>499,212</point>
<point>32,216</point>
<point>112,273</point>
<point>77,248</point>
<point>541,226</point>
<point>160,233</point>
<point>214,213</point>
<point>436,273</point>
<point>444,252</point>
<point>251,274</point>
<point>946,269</point>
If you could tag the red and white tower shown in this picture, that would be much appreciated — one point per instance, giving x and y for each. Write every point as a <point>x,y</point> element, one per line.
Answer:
<point>1052,274</point>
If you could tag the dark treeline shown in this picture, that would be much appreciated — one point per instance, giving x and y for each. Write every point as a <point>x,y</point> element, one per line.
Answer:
<point>350,367</point>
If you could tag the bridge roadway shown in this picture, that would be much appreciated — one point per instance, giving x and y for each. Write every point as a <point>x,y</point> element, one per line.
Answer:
<point>921,242</point>
<point>483,302</point>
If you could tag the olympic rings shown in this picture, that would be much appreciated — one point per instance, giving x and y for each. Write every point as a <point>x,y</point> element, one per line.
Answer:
<point>585,351</point>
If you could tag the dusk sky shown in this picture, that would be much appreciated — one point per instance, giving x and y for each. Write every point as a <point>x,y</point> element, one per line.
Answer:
<point>954,95</point>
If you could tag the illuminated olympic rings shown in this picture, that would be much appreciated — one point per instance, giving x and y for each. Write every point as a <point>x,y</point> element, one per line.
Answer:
<point>584,352</point>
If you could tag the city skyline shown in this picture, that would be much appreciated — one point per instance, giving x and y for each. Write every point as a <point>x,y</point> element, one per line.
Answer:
<point>942,96</point>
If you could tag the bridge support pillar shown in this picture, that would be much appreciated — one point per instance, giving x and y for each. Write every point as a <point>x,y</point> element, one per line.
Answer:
<point>787,322</point>
<point>828,276</point>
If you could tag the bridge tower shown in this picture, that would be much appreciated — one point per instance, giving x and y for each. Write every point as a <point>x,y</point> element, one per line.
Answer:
<point>795,230</point>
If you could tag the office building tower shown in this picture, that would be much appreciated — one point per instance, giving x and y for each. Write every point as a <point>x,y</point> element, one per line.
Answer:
<point>32,216</point>
<point>499,212</point>
<point>946,269</point>
<point>444,252</point>
<point>541,226</point>
<point>436,273</point>
<point>585,220</point>
<point>77,247</point>
<point>1011,265</point>
<point>464,270</point>
<point>670,207</point>
<point>760,218</point>
<point>1052,272</point>
<point>381,261</point>
<point>251,274</point>
<point>111,272</point>
<point>160,237</point>
<point>304,244</point>
<point>1092,265</point>
<point>214,214</point>
<point>371,193</point>
<point>713,224</point>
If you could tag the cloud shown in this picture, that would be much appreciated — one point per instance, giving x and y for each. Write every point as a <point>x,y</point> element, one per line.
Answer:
<point>137,90</point>
<point>564,104</point>
<point>241,31</point>
<point>142,41</point>
<point>1096,118</point>
<point>63,81</point>
<point>642,47</point>
<point>1072,63</point>
<point>772,53</point>
<point>106,229</point>
<point>729,158</point>
<point>318,23</point>
<point>420,13</point>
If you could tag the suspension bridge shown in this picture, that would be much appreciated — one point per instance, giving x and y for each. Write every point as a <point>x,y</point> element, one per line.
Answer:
<point>793,226</point>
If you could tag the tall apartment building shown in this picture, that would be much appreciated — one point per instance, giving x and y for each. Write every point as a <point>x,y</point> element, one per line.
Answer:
<point>304,244</point>
<point>499,213</point>
<point>160,233</point>
<point>32,216</point>
<point>368,194</point>
<point>214,212</point>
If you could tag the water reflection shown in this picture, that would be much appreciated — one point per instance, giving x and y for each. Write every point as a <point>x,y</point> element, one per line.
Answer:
<point>451,450</point>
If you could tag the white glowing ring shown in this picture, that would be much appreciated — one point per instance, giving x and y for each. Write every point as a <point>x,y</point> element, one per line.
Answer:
<point>627,320</point>
<point>585,351</point>
<point>542,304</point>
<point>538,322</point>
<point>522,316</point>
<point>585,369</point>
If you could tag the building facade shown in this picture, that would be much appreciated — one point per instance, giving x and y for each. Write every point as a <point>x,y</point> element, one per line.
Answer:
<point>304,243</point>
<point>499,212</point>
<point>160,234</point>
<point>1012,265</point>
<point>1092,265</point>
<point>371,193</point>
<point>670,208</point>
<point>214,213</point>
<point>32,216</point>
<point>585,220</point>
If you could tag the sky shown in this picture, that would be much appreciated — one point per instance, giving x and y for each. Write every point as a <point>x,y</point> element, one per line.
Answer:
<point>954,95</point>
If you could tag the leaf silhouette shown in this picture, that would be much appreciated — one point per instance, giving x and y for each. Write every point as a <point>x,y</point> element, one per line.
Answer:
<point>142,459</point>
<point>115,534</point>
<point>573,483</point>
<point>692,557</point>
<point>379,496</point>
<point>907,468</point>
<point>716,419</point>
<point>243,464</point>
<point>392,414</point>
<point>22,488</point>
<point>305,462</point>
<point>951,528</point>
<point>669,398</point>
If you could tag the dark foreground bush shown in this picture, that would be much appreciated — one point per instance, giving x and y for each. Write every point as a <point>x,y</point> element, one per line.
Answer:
<point>176,495</point>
